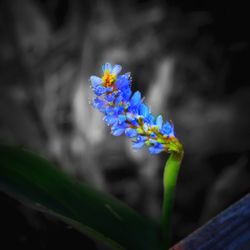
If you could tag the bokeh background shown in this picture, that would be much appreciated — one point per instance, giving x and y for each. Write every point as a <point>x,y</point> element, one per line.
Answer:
<point>190,59</point>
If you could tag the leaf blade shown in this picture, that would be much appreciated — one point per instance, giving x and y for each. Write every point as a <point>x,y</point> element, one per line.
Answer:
<point>26,175</point>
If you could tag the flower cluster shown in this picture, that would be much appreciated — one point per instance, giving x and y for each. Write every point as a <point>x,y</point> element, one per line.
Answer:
<point>126,112</point>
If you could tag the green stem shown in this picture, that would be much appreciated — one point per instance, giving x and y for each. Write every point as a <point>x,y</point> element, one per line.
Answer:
<point>170,175</point>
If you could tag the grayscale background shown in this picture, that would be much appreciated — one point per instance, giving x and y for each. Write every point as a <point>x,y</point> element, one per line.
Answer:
<point>190,59</point>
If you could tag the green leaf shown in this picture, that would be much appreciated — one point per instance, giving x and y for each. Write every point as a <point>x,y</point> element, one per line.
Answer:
<point>29,177</point>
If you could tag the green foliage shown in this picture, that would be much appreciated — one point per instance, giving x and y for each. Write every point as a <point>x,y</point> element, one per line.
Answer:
<point>31,178</point>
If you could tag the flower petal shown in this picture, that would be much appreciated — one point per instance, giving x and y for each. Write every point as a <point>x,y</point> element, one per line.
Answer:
<point>116,69</point>
<point>121,119</point>
<point>126,94</point>
<point>106,67</point>
<point>155,150</point>
<point>109,120</point>
<point>95,81</point>
<point>138,145</point>
<point>130,132</point>
<point>143,110</point>
<point>118,99</point>
<point>117,131</point>
<point>99,90</point>
<point>135,99</point>
<point>130,116</point>
<point>98,103</point>
<point>159,121</point>
<point>122,81</point>
<point>145,127</point>
<point>167,129</point>
<point>110,97</point>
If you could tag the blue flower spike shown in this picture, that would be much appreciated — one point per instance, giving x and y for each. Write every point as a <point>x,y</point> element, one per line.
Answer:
<point>127,114</point>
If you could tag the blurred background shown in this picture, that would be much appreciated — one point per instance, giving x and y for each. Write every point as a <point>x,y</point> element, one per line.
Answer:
<point>190,61</point>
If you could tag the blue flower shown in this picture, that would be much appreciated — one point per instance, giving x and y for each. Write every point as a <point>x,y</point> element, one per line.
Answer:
<point>159,121</point>
<point>107,68</point>
<point>118,129</point>
<point>131,132</point>
<point>127,113</point>
<point>123,81</point>
<point>156,148</point>
<point>135,99</point>
<point>167,129</point>
<point>105,84</point>
<point>99,104</point>
<point>95,81</point>
<point>144,110</point>
<point>109,119</point>
<point>110,97</point>
<point>139,142</point>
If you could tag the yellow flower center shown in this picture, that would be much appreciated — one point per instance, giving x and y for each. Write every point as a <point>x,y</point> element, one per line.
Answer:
<point>108,79</point>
